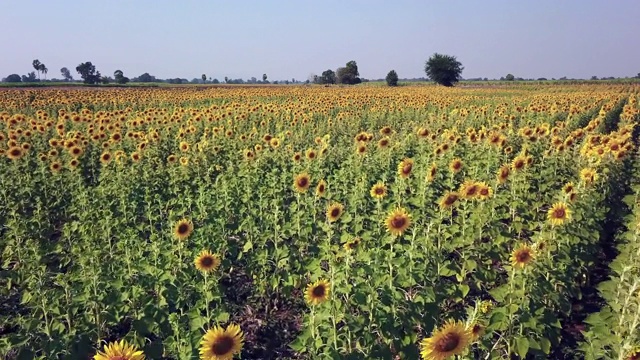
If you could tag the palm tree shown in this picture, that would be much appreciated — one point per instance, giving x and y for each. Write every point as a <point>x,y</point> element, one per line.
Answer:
<point>44,70</point>
<point>36,65</point>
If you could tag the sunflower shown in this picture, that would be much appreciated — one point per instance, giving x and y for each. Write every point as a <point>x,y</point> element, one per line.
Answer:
<point>432,173</point>
<point>448,200</point>
<point>476,330</point>
<point>183,229</point>
<point>105,158</point>
<point>522,256</point>
<point>455,165</point>
<point>73,163</point>
<point>559,214</point>
<point>311,154</point>
<point>568,188</point>
<point>519,162</point>
<point>404,168</point>
<point>249,155</point>
<point>297,157</point>
<point>171,159</point>
<point>572,196</point>
<point>334,211</point>
<point>121,350</point>
<point>398,221</point>
<point>383,143</point>
<point>15,153</point>
<point>503,174</point>
<point>135,156</point>
<point>634,354</point>
<point>301,182</point>
<point>361,148</point>
<point>378,190</point>
<point>352,244</point>
<point>451,339</point>
<point>55,166</point>
<point>588,176</point>
<point>318,292</point>
<point>184,146</point>
<point>221,344</point>
<point>469,189</point>
<point>321,188</point>
<point>484,191</point>
<point>207,262</point>
<point>184,161</point>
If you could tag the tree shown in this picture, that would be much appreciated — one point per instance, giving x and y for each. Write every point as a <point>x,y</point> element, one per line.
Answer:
<point>509,77</point>
<point>327,77</point>
<point>66,74</point>
<point>594,77</point>
<point>44,70</point>
<point>119,77</point>
<point>30,77</point>
<point>88,73</point>
<point>145,78</point>
<point>392,78</point>
<point>348,74</point>
<point>264,78</point>
<point>443,69</point>
<point>638,76</point>
<point>204,78</point>
<point>12,78</point>
<point>36,65</point>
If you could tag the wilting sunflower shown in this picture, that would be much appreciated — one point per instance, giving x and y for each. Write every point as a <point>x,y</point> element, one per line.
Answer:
<point>15,153</point>
<point>378,190</point>
<point>572,196</point>
<point>221,344</point>
<point>476,330</point>
<point>469,189</point>
<point>522,256</point>
<point>398,221</point>
<point>431,175</point>
<point>588,176</point>
<point>404,168</point>
<point>559,214</point>
<point>455,165</point>
<point>207,262</point>
<point>318,292</point>
<point>302,182</point>
<point>334,211</point>
<point>451,339</point>
<point>448,200</point>
<point>119,350</point>
<point>321,188</point>
<point>183,229</point>
<point>503,174</point>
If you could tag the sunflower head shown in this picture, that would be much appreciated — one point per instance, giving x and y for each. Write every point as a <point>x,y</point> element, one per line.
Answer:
<point>334,211</point>
<point>317,292</point>
<point>476,330</point>
<point>321,188</point>
<point>352,244</point>
<point>221,344</point>
<point>469,189</point>
<point>455,165</point>
<point>484,191</point>
<point>378,190</point>
<point>448,200</point>
<point>452,339</point>
<point>398,221</point>
<point>431,175</point>
<point>503,174</point>
<point>302,182</point>
<point>207,262</point>
<point>183,229</point>
<point>119,350</point>
<point>588,176</point>
<point>15,153</point>
<point>405,167</point>
<point>519,162</point>
<point>559,214</point>
<point>522,256</point>
<point>568,188</point>
<point>383,143</point>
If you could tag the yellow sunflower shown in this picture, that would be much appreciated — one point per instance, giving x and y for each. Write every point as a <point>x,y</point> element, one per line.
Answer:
<point>455,165</point>
<point>318,292</point>
<point>321,188</point>
<point>469,189</point>
<point>302,182</point>
<point>352,244</point>
<point>431,175</point>
<point>334,211</point>
<point>378,190</point>
<point>207,262</point>
<point>448,200</point>
<point>183,229</point>
<point>559,214</point>
<point>476,331</point>
<point>522,256</point>
<point>119,350</point>
<point>451,339</point>
<point>398,221</point>
<point>588,176</point>
<point>503,174</point>
<point>105,158</point>
<point>404,168</point>
<point>221,344</point>
<point>519,163</point>
<point>568,188</point>
<point>484,191</point>
<point>15,153</point>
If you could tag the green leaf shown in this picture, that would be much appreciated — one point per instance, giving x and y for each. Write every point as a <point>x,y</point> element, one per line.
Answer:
<point>522,346</point>
<point>247,246</point>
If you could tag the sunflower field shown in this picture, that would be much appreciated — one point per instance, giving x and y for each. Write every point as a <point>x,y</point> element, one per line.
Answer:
<point>297,222</point>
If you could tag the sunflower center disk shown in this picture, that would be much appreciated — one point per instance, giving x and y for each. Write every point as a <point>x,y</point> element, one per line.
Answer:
<point>447,343</point>
<point>223,345</point>
<point>398,222</point>
<point>318,291</point>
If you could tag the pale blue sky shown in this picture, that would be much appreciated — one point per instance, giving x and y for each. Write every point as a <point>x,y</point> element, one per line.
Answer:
<point>294,38</point>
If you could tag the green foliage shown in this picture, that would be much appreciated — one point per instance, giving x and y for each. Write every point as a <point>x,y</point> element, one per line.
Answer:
<point>12,78</point>
<point>88,73</point>
<point>348,74</point>
<point>392,78</point>
<point>509,77</point>
<point>66,74</point>
<point>443,69</point>
<point>328,77</point>
<point>120,78</point>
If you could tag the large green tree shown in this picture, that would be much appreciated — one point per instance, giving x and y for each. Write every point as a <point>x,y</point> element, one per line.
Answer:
<point>348,74</point>
<point>88,73</point>
<point>392,78</point>
<point>443,69</point>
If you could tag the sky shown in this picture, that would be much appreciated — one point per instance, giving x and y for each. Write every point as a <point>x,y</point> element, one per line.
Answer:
<point>296,38</point>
